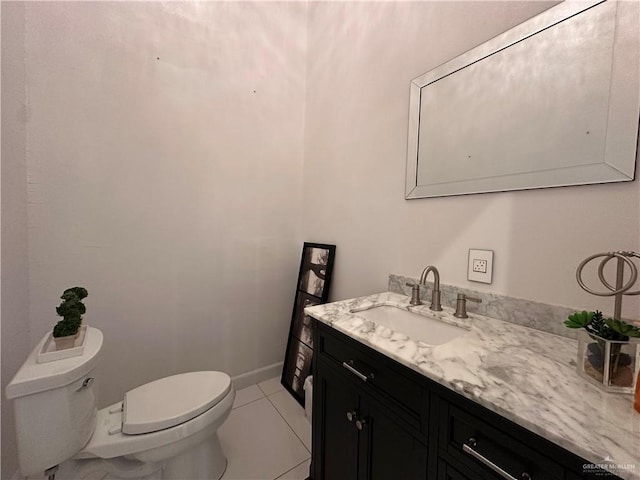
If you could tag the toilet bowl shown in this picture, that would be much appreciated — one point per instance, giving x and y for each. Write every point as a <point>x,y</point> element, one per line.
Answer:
<point>163,429</point>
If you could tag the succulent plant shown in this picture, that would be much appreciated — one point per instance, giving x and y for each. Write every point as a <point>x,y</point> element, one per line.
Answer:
<point>71,310</point>
<point>608,328</point>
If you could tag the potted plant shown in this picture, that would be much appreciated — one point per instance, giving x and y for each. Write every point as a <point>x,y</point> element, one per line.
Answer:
<point>606,353</point>
<point>71,310</point>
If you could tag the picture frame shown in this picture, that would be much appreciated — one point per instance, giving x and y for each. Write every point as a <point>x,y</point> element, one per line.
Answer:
<point>312,288</point>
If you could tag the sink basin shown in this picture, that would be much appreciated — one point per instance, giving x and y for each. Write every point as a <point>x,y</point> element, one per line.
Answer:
<point>417,327</point>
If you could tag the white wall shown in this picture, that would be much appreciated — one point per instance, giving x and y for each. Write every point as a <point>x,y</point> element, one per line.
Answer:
<point>165,146</point>
<point>361,59</point>
<point>15,299</point>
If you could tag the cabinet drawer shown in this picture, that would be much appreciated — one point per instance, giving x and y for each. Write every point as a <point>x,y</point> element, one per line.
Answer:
<point>383,376</point>
<point>485,449</point>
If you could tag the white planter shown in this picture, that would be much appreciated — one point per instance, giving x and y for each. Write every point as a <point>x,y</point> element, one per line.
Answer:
<point>49,352</point>
<point>63,343</point>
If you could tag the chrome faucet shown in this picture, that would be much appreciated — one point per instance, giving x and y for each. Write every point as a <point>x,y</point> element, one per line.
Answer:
<point>435,295</point>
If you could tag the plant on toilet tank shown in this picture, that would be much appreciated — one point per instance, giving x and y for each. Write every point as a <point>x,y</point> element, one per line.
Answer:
<point>71,310</point>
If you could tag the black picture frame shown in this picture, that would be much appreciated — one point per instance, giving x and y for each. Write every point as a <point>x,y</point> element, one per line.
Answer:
<point>312,288</point>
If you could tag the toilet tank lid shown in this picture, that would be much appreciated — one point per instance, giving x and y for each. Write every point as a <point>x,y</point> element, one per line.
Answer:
<point>33,377</point>
<point>173,400</point>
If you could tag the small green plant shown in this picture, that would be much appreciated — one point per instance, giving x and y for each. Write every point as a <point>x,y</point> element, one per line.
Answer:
<point>608,328</point>
<point>71,310</point>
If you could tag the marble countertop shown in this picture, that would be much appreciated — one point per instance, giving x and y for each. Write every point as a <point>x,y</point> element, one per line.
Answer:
<point>525,375</point>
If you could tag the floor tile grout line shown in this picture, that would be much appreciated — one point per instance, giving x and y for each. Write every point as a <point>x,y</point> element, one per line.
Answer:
<point>279,414</point>
<point>264,392</point>
<point>291,469</point>
<point>263,395</point>
<point>249,403</point>
<point>288,425</point>
<point>308,457</point>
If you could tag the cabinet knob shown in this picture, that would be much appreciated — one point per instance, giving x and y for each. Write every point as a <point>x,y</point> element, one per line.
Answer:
<point>360,423</point>
<point>351,415</point>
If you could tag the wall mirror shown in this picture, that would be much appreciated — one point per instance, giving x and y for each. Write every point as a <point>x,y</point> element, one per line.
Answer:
<point>554,101</point>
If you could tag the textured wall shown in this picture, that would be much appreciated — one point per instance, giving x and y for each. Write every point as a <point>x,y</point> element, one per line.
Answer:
<point>164,164</point>
<point>15,296</point>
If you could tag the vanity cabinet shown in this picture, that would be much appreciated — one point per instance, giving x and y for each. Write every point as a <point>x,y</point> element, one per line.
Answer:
<point>475,443</point>
<point>374,418</point>
<point>361,429</point>
<point>486,449</point>
<point>340,410</point>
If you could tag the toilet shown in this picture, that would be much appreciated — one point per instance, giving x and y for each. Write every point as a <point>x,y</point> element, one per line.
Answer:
<point>165,429</point>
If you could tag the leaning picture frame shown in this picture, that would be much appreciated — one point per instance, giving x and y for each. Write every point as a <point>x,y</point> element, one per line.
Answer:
<point>312,288</point>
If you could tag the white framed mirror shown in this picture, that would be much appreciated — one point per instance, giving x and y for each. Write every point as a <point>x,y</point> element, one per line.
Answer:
<point>554,101</point>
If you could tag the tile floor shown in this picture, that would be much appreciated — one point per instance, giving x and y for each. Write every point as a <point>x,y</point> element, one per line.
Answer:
<point>266,436</point>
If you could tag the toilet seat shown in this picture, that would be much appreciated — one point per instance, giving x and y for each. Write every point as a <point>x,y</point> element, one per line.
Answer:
<point>173,400</point>
<point>108,441</point>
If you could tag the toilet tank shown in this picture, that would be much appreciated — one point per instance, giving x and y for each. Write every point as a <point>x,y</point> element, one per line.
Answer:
<point>54,405</point>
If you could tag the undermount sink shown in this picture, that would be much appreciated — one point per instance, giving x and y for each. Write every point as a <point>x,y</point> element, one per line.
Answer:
<point>417,327</point>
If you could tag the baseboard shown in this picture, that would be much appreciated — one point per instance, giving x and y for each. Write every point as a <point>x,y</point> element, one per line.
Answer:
<point>256,376</point>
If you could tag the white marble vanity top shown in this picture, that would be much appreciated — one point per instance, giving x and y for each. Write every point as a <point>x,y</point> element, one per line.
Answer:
<point>525,375</point>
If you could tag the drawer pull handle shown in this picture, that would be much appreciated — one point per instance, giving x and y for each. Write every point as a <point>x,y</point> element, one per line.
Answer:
<point>485,461</point>
<point>351,415</point>
<point>361,376</point>
<point>360,424</point>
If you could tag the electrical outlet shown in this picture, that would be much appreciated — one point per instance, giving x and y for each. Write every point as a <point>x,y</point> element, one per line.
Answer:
<point>480,266</point>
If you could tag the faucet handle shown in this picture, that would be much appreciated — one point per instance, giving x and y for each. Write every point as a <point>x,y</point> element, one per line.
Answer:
<point>472,299</point>
<point>461,305</point>
<point>415,293</point>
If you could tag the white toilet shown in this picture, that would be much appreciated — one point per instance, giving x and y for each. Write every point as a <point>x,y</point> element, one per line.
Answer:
<point>166,429</point>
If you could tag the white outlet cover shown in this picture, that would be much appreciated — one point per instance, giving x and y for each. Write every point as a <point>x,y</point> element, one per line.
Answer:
<point>487,256</point>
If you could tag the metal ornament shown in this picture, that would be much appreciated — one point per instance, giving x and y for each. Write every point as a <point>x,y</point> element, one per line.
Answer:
<point>620,289</point>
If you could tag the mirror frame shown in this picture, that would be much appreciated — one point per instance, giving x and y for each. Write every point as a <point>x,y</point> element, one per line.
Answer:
<point>621,142</point>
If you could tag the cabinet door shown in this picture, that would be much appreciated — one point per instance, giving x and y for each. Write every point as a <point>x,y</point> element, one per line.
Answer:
<point>387,449</point>
<point>337,455</point>
<point>447,472</point>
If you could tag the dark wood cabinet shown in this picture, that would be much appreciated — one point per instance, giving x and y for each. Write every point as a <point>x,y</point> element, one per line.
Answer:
<point>357,434</point>
<point>484,449</point>
<point>340,407</point>
<point>495,444</point>
<point>375,419</point>
<point>449,472</point>
<point>392,451</point>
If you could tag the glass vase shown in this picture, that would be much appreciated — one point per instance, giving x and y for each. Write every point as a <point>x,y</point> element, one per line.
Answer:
<point>611,365</point>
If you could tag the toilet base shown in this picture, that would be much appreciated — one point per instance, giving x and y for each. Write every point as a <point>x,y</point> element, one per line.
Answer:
<point>206,460</point>
<point>203,461</point>
<point>102,469</point>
